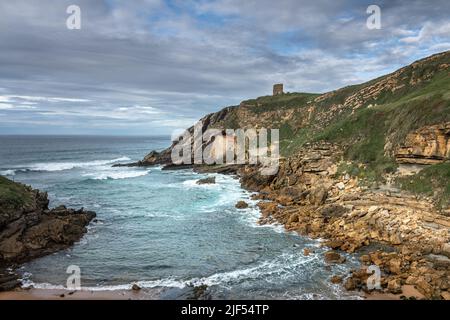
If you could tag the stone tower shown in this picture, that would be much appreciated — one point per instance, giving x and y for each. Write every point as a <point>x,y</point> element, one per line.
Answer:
<point>278,89</point>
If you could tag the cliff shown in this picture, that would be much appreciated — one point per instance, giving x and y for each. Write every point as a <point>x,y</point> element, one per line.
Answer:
<point>365,167</point>
<point>398,119</point>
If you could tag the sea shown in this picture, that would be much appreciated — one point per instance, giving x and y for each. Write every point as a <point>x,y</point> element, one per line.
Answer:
<point>159,229</point>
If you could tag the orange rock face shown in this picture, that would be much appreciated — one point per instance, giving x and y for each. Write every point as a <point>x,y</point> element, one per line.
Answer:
<point>428,145</point>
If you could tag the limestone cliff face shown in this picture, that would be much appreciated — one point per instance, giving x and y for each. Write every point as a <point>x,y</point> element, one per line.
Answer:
<point>427,145</point>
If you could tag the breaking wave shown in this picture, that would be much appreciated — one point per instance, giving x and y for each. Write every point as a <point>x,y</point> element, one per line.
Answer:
<point>61,166</point>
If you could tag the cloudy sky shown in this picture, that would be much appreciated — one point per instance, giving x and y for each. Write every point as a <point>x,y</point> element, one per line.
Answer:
<point>145,67</point>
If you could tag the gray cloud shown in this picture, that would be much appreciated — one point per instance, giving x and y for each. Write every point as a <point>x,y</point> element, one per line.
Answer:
<point>149,66</point>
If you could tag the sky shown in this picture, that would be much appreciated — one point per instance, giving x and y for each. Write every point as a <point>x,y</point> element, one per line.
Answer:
<point>149,67</point>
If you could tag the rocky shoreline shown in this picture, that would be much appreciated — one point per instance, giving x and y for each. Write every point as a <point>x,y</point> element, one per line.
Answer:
<point>406,237</point>
<point>29,229</point>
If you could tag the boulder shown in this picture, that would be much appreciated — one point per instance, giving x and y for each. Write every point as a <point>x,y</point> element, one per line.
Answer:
<point>445,250</point>
<point>318,195</point>
<point>394,286</point>
<point>333,257</point>
<point>336,279</point>
<point>241,205</point>
<point>395,266</point>
<point>135,287</point>
<point>340,186</point>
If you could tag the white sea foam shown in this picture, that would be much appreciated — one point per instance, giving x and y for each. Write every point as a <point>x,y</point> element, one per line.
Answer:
<point>8,173</point>
<point>61,166</point>
<point>280,265</point>
<point>116,175</point>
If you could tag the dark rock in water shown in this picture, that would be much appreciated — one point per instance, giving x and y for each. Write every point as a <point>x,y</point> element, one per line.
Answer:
<point>210,180</point>
<point>334,257</point>
<point>8,280</point>
<point>29,229</point>
<point>136,287</point>
<point>336,279</point>
<point>242,205</point>
<point>199,293</point>
<point>350,284</point>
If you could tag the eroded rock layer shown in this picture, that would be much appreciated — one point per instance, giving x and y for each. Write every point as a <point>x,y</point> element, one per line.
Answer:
<point>427,145</point>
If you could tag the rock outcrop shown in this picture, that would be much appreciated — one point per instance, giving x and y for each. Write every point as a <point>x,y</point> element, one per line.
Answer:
<point>428,145</point>
<point>29,229</point>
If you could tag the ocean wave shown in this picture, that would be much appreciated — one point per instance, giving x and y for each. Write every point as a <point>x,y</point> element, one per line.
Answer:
<point>116,175</point>
<point>8,173</point>
<point>284,264</point>
<point>62,166</point>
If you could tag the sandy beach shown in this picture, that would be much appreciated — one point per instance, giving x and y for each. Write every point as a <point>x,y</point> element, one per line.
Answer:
<point>50,294</point>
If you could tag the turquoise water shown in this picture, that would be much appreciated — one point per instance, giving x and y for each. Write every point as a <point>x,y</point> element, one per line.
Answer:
<point>159,228</point>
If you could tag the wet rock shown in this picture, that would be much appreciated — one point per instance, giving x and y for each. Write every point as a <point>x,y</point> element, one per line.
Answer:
<point>336,279</point>
<point>334,244</point>
<point>242,205</point>
<point>135,287</point>
<point>210,180</point>
<point>350,284</point>
<point>333,257</point>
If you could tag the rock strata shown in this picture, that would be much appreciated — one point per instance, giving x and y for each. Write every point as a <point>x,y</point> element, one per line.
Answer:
<point>428,145</point>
